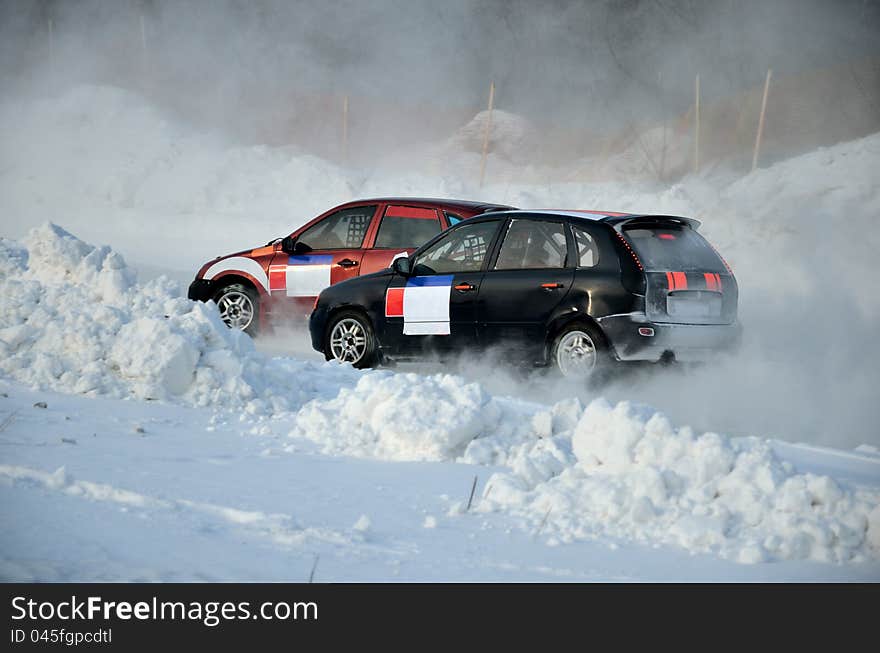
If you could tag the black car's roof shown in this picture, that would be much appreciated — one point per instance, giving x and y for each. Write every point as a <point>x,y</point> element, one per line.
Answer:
<point>610,217</point>
<point>468,205</point>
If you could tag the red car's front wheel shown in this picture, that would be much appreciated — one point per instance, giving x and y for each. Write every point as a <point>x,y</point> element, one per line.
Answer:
<point>239,307</point>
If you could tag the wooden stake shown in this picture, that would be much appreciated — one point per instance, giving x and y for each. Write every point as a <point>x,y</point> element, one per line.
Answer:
<point>144,55</point>
<point>143,37</point>
<point>488,132</point>
<point>697,125</point>
<point>665,126</point>
<point>760,133</point>
<point>345,128</point>
<point>51,46</point>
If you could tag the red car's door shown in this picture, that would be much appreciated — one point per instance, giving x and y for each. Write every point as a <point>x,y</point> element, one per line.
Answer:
<point>401,229</point>
<point>328,251</point>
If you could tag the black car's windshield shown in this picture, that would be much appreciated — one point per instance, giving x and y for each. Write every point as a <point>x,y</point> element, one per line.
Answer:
<point>673,247</point>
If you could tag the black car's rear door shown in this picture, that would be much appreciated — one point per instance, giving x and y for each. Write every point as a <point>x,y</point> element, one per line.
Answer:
<point>687,281</point>
<point>526,281</point>
<point>434,310</point>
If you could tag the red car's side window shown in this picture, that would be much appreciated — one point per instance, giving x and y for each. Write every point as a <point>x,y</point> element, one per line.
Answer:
<point>405,227</point>
<point>344,229</point>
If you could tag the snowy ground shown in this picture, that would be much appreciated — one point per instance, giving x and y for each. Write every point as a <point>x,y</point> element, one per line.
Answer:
<point>173,449</point>
<point>178,502</point>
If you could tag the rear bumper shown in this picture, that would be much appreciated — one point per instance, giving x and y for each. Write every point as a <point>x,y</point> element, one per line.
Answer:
<point>199,290</point>
<point>686,342</point>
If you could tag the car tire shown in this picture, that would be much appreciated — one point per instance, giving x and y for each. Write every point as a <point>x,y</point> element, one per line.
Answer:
<point>239,307</point>
<point>349,338</point>
<point>580,352</point>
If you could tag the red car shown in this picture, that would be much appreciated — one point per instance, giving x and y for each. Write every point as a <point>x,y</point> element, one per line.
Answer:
<point>351,239</point>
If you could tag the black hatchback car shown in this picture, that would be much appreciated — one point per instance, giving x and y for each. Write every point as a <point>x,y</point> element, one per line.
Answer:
<point>572,289</point>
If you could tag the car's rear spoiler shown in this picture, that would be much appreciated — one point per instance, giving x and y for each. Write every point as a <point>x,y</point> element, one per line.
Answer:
<point>629,220</point>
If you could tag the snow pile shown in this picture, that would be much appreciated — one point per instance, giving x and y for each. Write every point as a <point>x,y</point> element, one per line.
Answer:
<point>810,221</point>
<point>605,470</point>
<point>657,153</point>
<point>106,146</point>
<point>72,318</point>
<point>627,472</point>
<point>118,168</point>
<point>401,417</point>
<point>510,136</point>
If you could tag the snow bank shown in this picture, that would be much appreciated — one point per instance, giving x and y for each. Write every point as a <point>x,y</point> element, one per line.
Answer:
<point>119,169</point>
<point>606,470</point>
<point>73,319</point>
<point>106,146</point>
<point>627,472</point>
<point>510,136</point>
<point>401,417</point>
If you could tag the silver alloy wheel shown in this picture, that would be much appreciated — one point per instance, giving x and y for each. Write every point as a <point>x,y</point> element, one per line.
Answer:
<point>348,340</point>
<point>236,309</point>
<point>576,354</point>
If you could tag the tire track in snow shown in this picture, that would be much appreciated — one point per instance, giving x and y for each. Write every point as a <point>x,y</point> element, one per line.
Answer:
<point>280,529</point>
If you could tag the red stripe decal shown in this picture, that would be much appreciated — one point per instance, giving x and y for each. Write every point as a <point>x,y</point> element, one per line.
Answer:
<point>681,280</point>
<point>710,281</point>
<point>394,302</point>
<point>410,212</point>
<point>670,281</point>
<point>277,277</point>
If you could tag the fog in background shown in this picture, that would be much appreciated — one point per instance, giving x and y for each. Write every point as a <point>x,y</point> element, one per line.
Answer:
<point>177,131</point>
<point>274,71</point>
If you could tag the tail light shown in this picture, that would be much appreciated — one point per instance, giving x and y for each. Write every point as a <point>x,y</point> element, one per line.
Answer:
<point>630,250</point>
<point>633,278</point>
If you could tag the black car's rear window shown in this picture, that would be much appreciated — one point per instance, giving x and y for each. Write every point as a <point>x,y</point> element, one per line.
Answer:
<point>673,247</point>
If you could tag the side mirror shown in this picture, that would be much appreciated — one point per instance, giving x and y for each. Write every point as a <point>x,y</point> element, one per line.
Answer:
<point>290,245</point>
<point>402,266</point>
<point>300,247</point>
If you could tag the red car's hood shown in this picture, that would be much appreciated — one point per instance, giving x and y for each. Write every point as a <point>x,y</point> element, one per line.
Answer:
<point>245,252</point>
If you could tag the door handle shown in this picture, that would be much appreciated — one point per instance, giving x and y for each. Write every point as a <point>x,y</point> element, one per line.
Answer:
<point>464,287</point>
<point>347,263</point>
<point>551,286</point>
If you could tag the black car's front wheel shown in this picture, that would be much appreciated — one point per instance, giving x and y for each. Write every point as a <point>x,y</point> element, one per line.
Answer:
<point>349,339</point>
<point>239,307</point>
<point>578,352</point>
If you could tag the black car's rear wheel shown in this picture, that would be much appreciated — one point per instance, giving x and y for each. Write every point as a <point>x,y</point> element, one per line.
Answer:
<point>579,353</point>
<point>349,339</point>
<point>239,307</point>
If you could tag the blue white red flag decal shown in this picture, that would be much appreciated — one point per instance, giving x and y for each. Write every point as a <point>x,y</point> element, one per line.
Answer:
<point>303,275</point>
<point>423,304</point>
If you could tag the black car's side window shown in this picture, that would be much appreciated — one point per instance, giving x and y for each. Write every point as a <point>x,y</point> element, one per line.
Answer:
<point>461,250</point>
<point>344,229</point>
<point>533,244</point>
<point>587,250</point>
